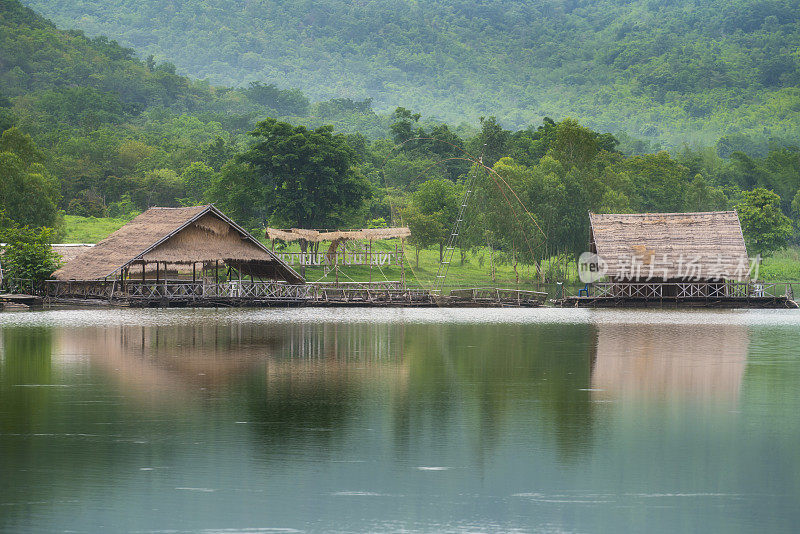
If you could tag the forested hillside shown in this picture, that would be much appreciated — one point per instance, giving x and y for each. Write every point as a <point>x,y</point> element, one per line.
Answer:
<point>667,71</point>
<point>90,129</point>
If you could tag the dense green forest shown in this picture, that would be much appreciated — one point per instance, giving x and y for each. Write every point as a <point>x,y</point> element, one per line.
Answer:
<point>665,71</point>
<point>90,129</point>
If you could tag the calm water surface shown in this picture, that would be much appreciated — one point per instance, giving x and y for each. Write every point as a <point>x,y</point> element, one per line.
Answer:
<point>399,420</point>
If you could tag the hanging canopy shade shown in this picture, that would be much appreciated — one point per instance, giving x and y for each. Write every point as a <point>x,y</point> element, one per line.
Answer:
<point>315,236</point>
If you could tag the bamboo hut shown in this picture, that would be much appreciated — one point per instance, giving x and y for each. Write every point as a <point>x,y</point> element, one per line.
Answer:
<point>642,250</point>
<point>168,240</point>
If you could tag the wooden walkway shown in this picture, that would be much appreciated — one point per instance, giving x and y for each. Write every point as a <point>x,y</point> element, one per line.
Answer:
<point>673,302</point>
<point>20,298</point>
<point>181,293</point>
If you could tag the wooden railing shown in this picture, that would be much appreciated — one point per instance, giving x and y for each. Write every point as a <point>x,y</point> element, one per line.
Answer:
<point>182,290</point>
<point>492,294</point>
<point>355,292</point>
<point>690,290</point>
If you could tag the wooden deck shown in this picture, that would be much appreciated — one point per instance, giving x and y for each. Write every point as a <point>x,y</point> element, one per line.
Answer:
<point>684,294</point>
<point>181,293</point>
<point>19,299</point>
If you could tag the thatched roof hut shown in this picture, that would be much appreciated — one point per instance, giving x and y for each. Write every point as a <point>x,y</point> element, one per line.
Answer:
<point>178,236</point>
<point>671,246</point>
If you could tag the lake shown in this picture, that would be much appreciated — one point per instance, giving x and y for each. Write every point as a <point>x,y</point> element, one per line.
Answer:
<point>399,420</point>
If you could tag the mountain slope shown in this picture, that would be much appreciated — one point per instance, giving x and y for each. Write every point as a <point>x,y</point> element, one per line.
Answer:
<point>684,70</point>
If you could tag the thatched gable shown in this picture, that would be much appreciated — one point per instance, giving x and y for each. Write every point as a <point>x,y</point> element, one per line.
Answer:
<point>198,234</point>
<point>671,246</point>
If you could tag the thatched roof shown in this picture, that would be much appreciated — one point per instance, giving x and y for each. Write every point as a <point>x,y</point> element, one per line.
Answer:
<point>70,251</point>
<point>178,236</point>
<point>671,244</point>
<point>315,236</point>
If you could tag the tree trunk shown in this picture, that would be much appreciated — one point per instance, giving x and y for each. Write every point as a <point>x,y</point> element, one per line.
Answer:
<point>491,260</point>
<point>303,248</point>
<point>416,252</point>
<point>514,266</point>
<point>441,251</point>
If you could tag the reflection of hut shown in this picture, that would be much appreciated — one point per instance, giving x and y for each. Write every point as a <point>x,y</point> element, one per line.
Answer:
<point>160,362</point>
<point>161,239</point>
<point>691,362</point>
<point>670,249</point>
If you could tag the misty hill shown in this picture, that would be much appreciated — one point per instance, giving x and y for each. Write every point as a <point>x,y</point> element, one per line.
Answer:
<point>680,70</point>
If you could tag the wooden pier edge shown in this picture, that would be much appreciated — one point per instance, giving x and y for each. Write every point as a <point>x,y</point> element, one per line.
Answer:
<point>264,294</point>
<point>781,302</point>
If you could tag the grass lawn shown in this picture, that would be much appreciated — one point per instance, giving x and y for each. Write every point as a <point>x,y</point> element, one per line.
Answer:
<point>474,272</point>
<point>89,229</point>
<point>781,266</point>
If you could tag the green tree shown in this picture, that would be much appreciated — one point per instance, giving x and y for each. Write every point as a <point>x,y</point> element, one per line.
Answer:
<point>28,193</point>
<point>405,125</point>
<point>305,176</point>
<point>197,179</point>
<point>701,196</point>
<point>28,257</point>
<point>426,229</point>
<point>437,201</point>
<point>238,191</point>
<point>764,225</point>
<point>160,187</point>
<point>654,182</point>
<point>491,143</point>
<point>574,145</point>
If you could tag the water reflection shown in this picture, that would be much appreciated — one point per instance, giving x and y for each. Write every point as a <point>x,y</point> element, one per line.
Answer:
<point>496,376</point>
<point>217,421</point>
<point>26,377</point>
<point>695,363</point>
<point>299,380</point>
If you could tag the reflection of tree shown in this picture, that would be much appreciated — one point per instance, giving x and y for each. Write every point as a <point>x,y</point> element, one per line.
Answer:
<point>493,372</point>
<point>24,410</point>
<point>316,380</point>
<point>25,362</point>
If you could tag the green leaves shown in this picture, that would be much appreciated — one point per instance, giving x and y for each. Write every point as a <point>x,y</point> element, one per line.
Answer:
<point>28,193</point>
<point>305,178</point>
<point>28,256</point>
<point>766,229</point>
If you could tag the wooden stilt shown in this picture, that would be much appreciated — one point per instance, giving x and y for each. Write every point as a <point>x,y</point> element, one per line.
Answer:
<point>402,263</point>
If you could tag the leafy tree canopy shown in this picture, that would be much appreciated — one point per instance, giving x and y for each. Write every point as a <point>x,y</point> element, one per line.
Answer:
<point>765,227</point>
<point>305,176</point>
